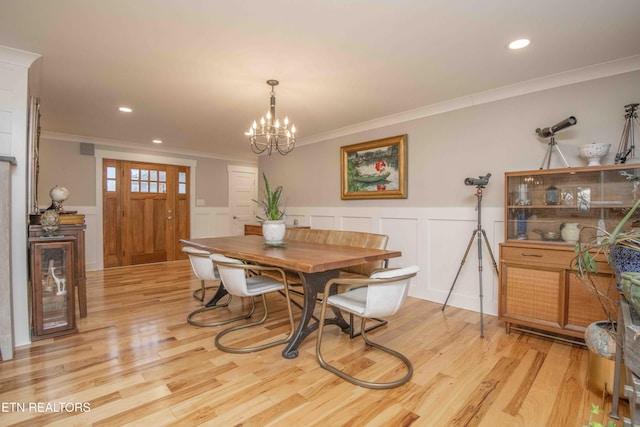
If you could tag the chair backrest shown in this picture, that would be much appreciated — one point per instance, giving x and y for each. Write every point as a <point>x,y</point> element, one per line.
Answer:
<point>385,299</point>
<point>202,266</point>
<point>233,279</point>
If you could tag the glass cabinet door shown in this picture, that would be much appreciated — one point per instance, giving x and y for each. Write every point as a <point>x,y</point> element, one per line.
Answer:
<point>555,206</point>
<point>52,287</point>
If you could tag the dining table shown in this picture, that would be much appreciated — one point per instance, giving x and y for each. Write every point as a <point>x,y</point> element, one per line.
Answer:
<point>315,264</point>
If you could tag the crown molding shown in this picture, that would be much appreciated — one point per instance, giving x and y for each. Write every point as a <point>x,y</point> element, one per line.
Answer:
<point>18,57</point>
<point>607,69</point>
<point>593,72</point>
<point>55,136</point>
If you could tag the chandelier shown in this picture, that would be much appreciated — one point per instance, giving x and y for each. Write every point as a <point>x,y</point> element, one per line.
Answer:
<point>270,134</point>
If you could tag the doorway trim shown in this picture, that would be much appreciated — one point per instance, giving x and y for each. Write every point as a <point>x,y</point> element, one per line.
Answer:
<point>139,157</point>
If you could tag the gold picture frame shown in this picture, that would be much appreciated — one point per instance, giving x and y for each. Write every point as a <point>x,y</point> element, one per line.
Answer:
<point>374,169</point>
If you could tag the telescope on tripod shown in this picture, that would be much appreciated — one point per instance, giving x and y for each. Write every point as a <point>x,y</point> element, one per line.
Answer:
<point>551,132</point>
<point>480,183</point>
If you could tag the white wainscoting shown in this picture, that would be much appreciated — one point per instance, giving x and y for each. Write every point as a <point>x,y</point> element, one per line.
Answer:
<point>209,222</point>
<point>435,239</point>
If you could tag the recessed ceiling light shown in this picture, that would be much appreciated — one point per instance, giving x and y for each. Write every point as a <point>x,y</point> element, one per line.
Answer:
<point>157,141</point>
<point>125,109</point>
<point>519,44</point>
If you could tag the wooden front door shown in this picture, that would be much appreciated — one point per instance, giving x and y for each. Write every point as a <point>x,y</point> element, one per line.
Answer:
<point>145,212</point>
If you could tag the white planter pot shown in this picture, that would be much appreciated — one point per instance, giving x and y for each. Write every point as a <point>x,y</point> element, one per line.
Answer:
<point>273,231</point>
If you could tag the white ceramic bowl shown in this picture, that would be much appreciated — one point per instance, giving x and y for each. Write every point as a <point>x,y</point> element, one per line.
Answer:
<point>594,152</point>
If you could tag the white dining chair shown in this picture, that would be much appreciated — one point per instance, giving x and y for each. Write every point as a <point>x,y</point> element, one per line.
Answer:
<point>237,281</point>
<point>381,295</point>
<point>205,270</point>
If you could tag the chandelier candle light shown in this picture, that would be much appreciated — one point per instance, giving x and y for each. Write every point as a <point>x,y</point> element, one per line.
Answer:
<point>270,133</point>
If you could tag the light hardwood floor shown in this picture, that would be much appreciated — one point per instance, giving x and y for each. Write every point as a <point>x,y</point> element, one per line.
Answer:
<point>137,361</point>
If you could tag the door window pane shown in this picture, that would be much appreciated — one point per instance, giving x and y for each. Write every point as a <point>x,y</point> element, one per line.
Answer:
<point>135,174</point>
<point>134,187</point>
<point>111,172</point>
<point>153,175</point>
<point>162,176</point>
<point>144,187</point>
<point>153,187</point>
<point>162,187</point>
<point>144,175</point>
<point>182,177</point>
<point>111,185</point>
<point>182,188</point>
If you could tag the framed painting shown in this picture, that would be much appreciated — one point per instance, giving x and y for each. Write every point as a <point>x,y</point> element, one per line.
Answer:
<point>374,169</point>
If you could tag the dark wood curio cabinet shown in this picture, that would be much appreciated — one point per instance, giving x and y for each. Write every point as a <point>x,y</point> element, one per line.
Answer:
<point>52,287</point>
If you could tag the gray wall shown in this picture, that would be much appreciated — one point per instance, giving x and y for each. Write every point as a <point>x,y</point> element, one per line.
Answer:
<point>446,148</point>
<point>62,164</point>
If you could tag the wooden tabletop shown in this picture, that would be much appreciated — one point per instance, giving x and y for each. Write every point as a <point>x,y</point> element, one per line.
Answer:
<point>297,256</point>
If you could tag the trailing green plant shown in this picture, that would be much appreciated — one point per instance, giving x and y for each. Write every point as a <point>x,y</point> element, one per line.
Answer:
<point>270,204</point>
<point>586,252</point>
<point>586,265</point>
<point>595,410</point>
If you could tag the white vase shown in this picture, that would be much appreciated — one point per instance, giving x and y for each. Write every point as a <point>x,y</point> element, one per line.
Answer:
<point>273,231</point>
<point>570,232</point>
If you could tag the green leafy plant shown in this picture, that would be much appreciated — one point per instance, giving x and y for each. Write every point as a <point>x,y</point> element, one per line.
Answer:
<point>586,254</point>
<point>595,410</point>
<point>270,204</point>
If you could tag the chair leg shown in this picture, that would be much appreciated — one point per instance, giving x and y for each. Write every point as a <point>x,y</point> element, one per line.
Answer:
<point>353,334</point>
<point>199,294</point>
<point>192,321</point>
<point>243,350</point>
<point>354,380</point>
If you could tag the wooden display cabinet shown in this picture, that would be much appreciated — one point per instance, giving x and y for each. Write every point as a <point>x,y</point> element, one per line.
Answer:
<point>77,231</point>
<point>52,279</point>
<point>539,289</point>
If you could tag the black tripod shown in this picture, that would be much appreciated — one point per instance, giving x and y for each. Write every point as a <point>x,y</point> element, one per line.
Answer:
<point>627,145</point>
<point>479,232</point>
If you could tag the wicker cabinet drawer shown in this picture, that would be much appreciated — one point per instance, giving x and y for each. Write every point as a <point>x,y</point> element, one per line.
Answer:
<point>533,255</point>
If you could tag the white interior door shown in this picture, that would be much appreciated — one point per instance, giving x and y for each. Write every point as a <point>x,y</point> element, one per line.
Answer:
<point>243,188</point>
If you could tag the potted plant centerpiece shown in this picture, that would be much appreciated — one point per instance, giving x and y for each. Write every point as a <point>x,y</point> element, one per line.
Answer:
<point>272,218</point>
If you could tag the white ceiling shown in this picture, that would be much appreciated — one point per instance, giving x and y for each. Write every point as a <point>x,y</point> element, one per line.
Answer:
<point>194,71</point>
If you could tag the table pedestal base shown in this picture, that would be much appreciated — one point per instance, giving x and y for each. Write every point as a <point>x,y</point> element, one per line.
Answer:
<point>313,284</point>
